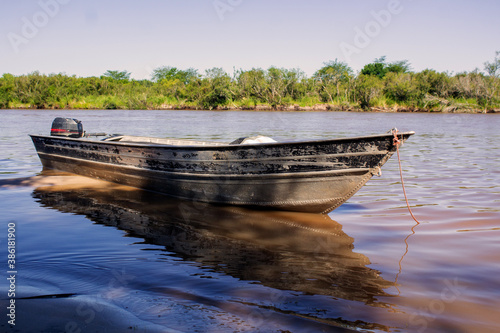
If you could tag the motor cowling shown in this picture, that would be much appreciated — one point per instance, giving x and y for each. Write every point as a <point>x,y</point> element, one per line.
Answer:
<point>67,127</point>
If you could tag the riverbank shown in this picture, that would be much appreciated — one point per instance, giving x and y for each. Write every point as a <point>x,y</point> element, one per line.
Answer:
<point>339,108</point>
<point>293,107</point>
<point>259,90</point>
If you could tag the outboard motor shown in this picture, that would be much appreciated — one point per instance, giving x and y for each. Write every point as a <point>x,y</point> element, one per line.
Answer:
<point>67,127</point>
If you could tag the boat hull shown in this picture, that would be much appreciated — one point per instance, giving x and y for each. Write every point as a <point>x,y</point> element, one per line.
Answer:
<point>313,176</point>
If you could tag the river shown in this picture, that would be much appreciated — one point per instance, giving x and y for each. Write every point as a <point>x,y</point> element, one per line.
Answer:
<point>93,256</point>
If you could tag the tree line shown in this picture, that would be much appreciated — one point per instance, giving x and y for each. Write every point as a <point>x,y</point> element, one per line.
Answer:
<point>380,84</point>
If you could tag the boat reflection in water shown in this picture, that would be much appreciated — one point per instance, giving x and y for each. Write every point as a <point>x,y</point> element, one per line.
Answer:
<point>301,252</point>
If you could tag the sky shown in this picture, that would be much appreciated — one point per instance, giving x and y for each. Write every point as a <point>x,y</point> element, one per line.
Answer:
<point>89,37</point>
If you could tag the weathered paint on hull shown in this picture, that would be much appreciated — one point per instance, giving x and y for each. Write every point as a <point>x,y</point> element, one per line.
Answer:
<point>312,177</point>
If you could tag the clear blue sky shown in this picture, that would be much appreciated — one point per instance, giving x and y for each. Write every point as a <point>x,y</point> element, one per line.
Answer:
<point>88,37</point>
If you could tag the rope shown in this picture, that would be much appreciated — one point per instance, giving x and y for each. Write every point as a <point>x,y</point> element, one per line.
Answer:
<point>398,143</point>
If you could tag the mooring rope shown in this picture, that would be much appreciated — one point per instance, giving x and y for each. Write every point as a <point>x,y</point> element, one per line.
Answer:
<point>397,142</point>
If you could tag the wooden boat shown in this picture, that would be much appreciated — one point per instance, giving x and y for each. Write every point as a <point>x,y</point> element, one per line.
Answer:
<point>306,176</point>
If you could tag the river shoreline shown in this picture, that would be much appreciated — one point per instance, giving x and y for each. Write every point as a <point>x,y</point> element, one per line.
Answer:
<point>293,107</point>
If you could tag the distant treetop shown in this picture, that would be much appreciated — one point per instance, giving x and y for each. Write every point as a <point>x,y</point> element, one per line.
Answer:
<point>379,67</point>
<point>172,73</point>
<point>117,75</point>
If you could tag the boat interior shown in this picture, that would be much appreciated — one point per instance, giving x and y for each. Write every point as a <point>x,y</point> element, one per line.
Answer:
<point>185,142</point>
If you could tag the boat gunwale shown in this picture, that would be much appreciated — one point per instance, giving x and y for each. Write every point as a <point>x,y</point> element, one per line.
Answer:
<point>224,146</point>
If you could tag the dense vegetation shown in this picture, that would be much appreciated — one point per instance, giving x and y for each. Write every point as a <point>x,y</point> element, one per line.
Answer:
<point>379,85</point>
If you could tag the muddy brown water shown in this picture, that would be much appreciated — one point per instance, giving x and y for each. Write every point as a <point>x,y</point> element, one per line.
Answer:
<point>92,248</point>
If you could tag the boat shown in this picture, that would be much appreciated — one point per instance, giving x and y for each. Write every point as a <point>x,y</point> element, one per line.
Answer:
<point>305,176</point>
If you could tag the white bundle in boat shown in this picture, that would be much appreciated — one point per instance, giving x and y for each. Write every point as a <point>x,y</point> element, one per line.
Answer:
<point>252,140</point>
